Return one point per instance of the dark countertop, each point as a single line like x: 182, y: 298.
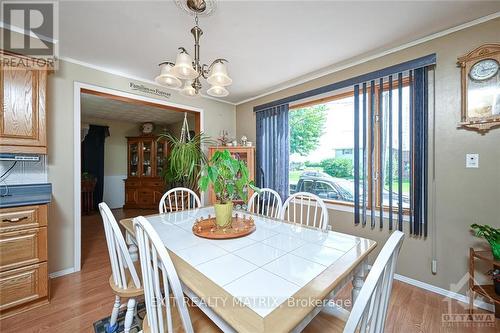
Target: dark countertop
x: 25, y: 194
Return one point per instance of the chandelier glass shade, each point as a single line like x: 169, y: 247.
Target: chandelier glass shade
x: 217, y: 91
x: 188, y: 72
x: 166, y: 77
x: 183, y: 68
x: 188, y: 90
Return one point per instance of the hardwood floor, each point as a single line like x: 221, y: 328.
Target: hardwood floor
x: 80, y: 299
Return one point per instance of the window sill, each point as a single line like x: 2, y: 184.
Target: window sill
x: 350, y: 209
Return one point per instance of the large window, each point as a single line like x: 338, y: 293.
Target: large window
x: 322, y: 149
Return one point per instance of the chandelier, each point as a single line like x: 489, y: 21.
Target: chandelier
x: 186, y: 73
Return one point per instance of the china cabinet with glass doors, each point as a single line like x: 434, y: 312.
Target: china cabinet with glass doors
x: 144, y: 185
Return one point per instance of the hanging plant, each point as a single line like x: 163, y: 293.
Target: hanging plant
x: 185, y: 159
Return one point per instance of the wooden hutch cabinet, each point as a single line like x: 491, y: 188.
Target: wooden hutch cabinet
x: 144, y: 186
x: 246, y: 154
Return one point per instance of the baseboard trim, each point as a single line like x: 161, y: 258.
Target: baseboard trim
x: 62, y: 272
x: 456, y: 296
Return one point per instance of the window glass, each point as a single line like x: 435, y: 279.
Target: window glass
x: 394, y: 154
x: 322, y: 149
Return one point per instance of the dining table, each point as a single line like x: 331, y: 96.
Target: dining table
x: 275, y: 279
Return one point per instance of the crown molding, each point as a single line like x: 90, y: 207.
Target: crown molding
x: 332, y: 69
x: 132, y: 77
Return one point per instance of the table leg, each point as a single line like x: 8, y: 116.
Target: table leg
x: 132, y: 247
x: 358, y: 280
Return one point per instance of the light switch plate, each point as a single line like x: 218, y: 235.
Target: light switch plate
x: 472, y: 160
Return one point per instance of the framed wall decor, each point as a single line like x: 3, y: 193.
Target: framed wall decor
x: 481, y: 88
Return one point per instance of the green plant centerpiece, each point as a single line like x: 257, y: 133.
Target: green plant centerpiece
x: 230, y: 180
x: 491, y: 234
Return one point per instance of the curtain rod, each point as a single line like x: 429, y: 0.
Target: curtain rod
x: 404, y: 66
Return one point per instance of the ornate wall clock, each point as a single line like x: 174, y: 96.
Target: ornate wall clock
x: 147, y: 128
x: 481, y: 88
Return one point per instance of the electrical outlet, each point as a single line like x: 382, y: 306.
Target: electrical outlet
x: 472, y: 160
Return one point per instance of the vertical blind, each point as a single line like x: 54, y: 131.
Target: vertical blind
x: 390, y: 150
x: 380, y: 120
x: 273, y: 147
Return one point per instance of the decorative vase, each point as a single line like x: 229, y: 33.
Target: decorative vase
x: 223, y: 214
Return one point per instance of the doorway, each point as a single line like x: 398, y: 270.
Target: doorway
x: 108, y: 125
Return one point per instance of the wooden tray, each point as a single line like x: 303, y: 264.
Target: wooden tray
x: 240, y: 226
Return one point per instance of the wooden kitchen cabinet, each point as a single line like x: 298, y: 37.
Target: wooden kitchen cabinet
x: 23, y: 112
x: 24, y: 281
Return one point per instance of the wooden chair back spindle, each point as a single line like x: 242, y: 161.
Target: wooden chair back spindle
x: 267, y: 202
x: 119, y: 255
x: 307, y: 209
x: 370, y: 309
x: 177, y: 199
x: 159, y: 276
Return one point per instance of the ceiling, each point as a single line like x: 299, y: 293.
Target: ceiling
x: 94, y: 106
x: 267, y: 43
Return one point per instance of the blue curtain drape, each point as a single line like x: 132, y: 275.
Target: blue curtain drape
x: 273, y: 149
x: 92, y: 158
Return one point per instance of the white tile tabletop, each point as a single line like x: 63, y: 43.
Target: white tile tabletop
x: 226, y: 269
x: 320, y: 254
x: 200, y: 253
x: 284, y: 242
x: 295, y: 269
x: 259, y: 253
x: 261, y: 297
x: 273, y: 262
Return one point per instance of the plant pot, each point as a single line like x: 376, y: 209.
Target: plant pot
x: 223, y: 214
x: 497, y: 286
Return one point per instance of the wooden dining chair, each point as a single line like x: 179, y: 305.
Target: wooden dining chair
x: 124, y: 279
x: 266, y: 202
x: 170, y: 313
x: 179, y: 198
x: 307, y: 209
x: 369, y: 311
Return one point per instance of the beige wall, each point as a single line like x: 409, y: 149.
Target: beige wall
x: 462, y: 196
x: 175, y: 129
x: 217, y: 116
x: 115, y: 146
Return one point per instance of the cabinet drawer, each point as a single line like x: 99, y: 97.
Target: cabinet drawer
x: 26, y: 217
x: 133, y: 183
x: 153, y: 183
x: 21, y: 248
x: 146, y: 199
x: 22, y: 285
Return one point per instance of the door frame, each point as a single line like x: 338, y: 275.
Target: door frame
x: 79, y: 88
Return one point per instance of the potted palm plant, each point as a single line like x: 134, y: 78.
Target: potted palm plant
x: 491, y: 234
x: 230, y: 180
